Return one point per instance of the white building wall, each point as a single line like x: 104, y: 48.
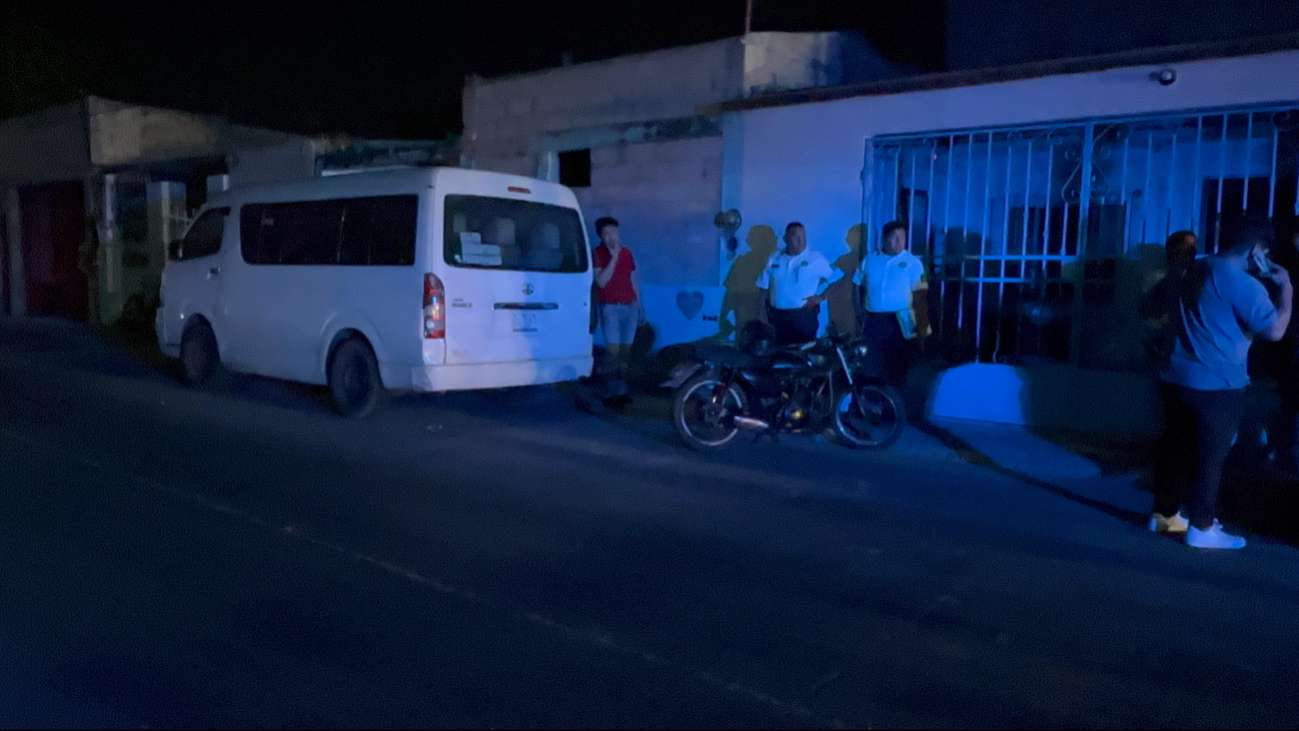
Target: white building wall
x: 805, y: 163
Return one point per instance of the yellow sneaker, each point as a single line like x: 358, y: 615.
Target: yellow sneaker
x: 1175, y: 523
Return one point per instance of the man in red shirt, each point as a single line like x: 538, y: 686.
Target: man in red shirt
x: 619, y: 294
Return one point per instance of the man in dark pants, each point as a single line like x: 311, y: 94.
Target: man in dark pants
x: 796, y: 281
x: 1220, y: 308
x: 888, y: 280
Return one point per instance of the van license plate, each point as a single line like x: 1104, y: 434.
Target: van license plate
x: 511, y: 324
x: 525, y: 322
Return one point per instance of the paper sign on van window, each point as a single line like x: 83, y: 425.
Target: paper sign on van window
x: 474, y: 251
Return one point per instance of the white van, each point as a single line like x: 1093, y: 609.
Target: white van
x: 422, y: 279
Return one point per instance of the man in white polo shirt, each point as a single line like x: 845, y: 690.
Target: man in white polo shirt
x: 796, y: 280
x: 888, y: 278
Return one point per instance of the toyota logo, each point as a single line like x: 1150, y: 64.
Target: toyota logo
x: 527, y: 289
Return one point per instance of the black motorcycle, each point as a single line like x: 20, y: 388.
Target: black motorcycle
x: 812, y: 388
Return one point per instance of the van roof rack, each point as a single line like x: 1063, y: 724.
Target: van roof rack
x: 327, y: 172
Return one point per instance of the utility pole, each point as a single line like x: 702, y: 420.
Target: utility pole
x: 748, y: 16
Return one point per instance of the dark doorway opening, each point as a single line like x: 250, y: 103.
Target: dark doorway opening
x: 575, y: 168
x: 53, y: 228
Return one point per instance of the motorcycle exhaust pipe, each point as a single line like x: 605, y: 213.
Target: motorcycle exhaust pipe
x: 745, y: 422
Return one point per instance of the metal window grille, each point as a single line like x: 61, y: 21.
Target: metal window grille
x: 1039, y: 240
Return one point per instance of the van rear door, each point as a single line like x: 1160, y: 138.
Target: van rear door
x: 517, y: 280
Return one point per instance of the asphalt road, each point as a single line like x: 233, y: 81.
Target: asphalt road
x: 243, y: 557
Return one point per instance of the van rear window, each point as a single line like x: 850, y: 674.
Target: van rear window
x: 374, y: 231
x: 498, y: 233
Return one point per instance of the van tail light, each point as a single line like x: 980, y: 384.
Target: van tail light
x: 435, y: 308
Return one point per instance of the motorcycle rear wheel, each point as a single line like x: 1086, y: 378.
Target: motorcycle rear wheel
x: 703, y: 409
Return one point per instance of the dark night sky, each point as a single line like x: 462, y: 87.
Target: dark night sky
x: 381, y: 69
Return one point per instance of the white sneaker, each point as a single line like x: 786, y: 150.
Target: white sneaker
x: 1175, y: 523
x: 1214, y: 537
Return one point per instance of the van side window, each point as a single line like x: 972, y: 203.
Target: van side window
x: 481, y: 232
x: 373, y: 231
x: 250, y: 232
x: 204, y: 237
x: 380, y: 231
x: 303, y: 233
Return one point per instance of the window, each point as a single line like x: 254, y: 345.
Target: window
x: 1039, y: 238
x: 204, y: 236
x: 379, y: 231
x: 302, y: 233
x: 376, y: 231
x: 496, y: 233
x: 575, y: 168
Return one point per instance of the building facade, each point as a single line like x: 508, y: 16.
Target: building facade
x: 1040, y: 198
x: 627, y: 136
x: 93, y: 193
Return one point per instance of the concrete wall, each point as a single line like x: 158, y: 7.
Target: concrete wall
x: 128, y: 134
x: 281, y: 163
x: 665, y: 194
x: 803, y: 60
x: 503, y: 116
x: 805, y: 162
x: 1048, y: 396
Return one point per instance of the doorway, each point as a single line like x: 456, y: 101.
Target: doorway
x: 53, y: 220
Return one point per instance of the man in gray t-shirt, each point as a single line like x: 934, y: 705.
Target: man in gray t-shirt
x: 1219, y: 307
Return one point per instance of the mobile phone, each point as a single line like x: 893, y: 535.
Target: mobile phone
x: 1262, y: 264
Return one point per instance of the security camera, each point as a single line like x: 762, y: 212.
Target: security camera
x: 1165, y: 77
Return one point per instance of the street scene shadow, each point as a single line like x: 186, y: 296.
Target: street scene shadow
x: 743, y: 300
x: 843, y: 311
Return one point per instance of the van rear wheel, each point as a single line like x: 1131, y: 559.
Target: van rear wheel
x: 354, y: 379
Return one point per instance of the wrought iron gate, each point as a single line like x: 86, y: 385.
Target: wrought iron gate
x: 1040, y: 239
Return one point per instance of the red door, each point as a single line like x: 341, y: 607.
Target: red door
x: 53, y: 224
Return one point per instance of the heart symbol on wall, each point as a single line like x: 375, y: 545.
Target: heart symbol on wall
x: 690, y: 303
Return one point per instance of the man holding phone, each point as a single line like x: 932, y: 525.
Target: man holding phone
x: 1220, y: 307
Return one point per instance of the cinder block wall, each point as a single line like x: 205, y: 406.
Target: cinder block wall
x: 665, y: 194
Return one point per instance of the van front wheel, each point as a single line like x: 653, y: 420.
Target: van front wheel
x: 199, y: 357
x: 354, y: 379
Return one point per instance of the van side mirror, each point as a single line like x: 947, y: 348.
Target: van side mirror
x: 173, y: 250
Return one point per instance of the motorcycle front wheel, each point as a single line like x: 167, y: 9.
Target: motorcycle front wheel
x: 870, y: 416
x: 704, y: 409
